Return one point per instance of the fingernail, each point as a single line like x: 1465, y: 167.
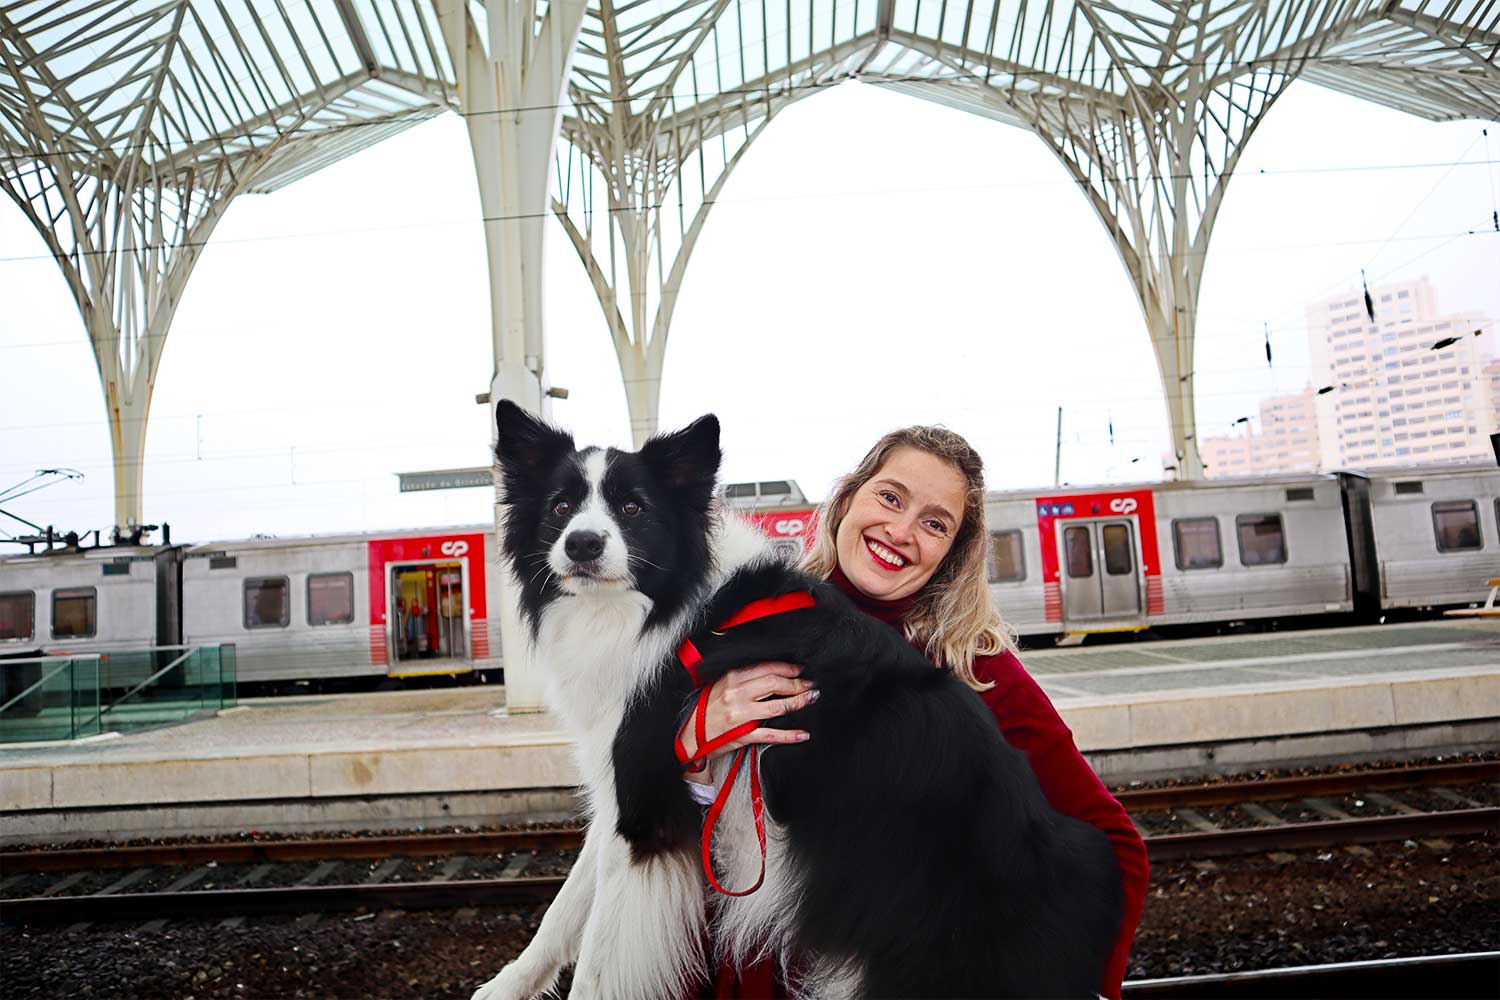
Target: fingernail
x: 816, y: 694
x: 802, y: 737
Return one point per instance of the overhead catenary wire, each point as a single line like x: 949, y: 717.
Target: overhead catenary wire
x: 801, y: 196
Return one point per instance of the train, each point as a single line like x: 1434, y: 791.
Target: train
x: 1061, y: 562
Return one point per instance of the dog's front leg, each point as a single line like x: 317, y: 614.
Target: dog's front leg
x: 556, y: 943
x: 644, y: 939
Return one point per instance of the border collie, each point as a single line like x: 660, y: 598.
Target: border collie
x: 910, y: 851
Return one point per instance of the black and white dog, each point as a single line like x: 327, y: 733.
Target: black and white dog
x: 911, y: 852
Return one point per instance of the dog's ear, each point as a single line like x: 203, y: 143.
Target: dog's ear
x: 524, y: 443
x: 687, y: 461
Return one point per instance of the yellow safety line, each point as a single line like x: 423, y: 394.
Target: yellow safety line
x: 434, y: 673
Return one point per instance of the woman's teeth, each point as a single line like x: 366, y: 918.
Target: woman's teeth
x: 885, y: 554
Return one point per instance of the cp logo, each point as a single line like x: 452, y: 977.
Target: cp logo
x: 788, y: 526
x: 1122, y: 505
x: 454, y: 549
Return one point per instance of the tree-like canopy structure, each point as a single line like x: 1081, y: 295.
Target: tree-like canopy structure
x: 127, y: 126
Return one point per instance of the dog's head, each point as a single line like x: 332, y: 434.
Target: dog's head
x: 587, y: 521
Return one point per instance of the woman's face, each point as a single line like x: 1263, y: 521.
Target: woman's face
x: 900, y: 524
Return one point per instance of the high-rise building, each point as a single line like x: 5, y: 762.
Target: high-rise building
x: 1286, y: 442
x: 1489, y: 375
x: 1395, y: 398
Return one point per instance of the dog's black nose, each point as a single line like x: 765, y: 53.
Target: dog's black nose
x: 584, y: 546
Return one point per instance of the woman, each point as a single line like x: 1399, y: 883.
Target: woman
x: 903, y: 536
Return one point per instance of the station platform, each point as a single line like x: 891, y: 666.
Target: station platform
x: 403, y: 759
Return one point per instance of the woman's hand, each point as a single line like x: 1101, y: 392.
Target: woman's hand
x: 764, y: 691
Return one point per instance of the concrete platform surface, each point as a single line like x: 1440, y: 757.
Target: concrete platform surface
x: 1117, y: 699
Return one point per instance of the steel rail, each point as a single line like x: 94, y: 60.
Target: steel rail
x: 1228, y: 792
x: 476, y: 892
x: 498, y: 842
x: 1473, y: 974
x: 1329, y: 833
x: 289, y: 899
x: 258, y: 851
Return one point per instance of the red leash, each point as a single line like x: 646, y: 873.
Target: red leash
x: 689, y: 656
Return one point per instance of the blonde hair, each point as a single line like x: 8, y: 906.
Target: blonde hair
x: 952, y: 619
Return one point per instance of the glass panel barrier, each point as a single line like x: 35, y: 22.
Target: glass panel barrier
x: 68, y: 697
x: 48, y: 698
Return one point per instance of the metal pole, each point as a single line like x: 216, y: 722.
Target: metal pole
x: 1057, y: 455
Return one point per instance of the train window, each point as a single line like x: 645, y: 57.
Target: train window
x: 1117, y: 560
x: 1196, y: 540
x: 116, y: 569
x: 75, y: 613
x: 1456, y: 525
x: 1411, y: 486
x: 223, y: 562
x: 330, y: 598
x: 1261, y: 539
x: 1080, y: 549
x: 17, y: 615
x: 1302, y: 492
x: 267, y: 602
x: 1006, y: 563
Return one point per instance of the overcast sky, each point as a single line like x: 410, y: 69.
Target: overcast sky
x: 875, y: 261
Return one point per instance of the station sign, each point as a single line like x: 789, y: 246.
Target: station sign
x: 446, y: 479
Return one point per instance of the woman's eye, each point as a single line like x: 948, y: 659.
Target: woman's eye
x: 890, y: 497
x: 561, y: 508
x: 630, y: 508
x: 938, y: 526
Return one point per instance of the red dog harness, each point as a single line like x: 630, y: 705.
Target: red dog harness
x: 689, y: 656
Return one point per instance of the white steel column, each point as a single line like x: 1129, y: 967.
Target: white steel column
x: 1154, y: 164
x: 127, y: 129
x: 511, y: 73
x: 642, y: 198
x: 640, y: 178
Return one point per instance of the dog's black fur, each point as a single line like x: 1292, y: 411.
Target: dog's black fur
x: 926, y: 851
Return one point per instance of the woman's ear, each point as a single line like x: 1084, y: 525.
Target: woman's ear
x: 687, y: 461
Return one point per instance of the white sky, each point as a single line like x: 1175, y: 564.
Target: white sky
x: 875, y: 261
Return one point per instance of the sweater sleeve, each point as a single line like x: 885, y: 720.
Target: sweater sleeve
x: 1030, y: 723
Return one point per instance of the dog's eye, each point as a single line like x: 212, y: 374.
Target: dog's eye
x: 561, y: 508
x: 630, y: 508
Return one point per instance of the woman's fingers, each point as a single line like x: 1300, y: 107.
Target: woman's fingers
x: 770, y: 668
x: 767, y: 735
x: 772, y: 684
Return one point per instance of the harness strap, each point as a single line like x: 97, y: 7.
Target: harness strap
x: 689, y: 656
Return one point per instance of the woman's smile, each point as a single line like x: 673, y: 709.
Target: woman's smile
x: 884, y: 557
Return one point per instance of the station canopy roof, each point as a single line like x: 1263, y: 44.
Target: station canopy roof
x: 179, y: 87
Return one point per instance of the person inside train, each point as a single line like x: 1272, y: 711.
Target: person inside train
x: 940, y: 601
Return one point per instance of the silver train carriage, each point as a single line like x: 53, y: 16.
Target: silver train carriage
x: 390, y: 603
x: 1073, y: 560
x: 1126, y: 558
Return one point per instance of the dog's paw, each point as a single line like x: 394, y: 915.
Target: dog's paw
x: 515, y: 982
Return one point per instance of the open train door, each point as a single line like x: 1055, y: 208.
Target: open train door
x: 427, y: 604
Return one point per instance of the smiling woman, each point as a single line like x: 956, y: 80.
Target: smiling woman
x: 903, y: 536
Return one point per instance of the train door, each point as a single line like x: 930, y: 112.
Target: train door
x: 1099, y: 570
x: 428, y: 623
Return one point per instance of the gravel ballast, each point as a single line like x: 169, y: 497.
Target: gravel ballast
x: 1261, y: 911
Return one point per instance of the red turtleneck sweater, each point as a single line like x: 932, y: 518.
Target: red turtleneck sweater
x: 1029, y: 723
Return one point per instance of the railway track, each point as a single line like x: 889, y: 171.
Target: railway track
x: 509, y: 867
x: 1448, y: 976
